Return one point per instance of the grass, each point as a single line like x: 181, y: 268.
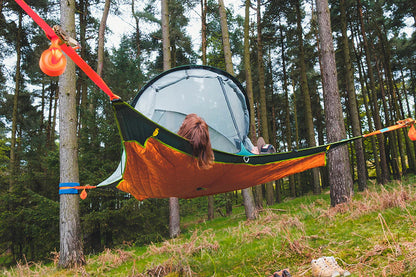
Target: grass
x: 372, y: 235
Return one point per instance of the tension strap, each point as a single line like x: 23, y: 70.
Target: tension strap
x: 69, y: 51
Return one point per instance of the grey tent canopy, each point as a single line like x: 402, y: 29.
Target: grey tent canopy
x: 213, y: 94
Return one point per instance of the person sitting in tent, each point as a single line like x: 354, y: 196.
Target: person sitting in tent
x: 195, y: 129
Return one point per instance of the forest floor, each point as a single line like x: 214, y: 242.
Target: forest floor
x: 372, y: 235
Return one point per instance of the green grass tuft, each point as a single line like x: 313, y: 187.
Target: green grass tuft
x: 372, y: 235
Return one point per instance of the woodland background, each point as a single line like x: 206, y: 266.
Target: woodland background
x: 379, y: 37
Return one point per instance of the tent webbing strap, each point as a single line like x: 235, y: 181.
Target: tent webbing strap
x: 68, y: 50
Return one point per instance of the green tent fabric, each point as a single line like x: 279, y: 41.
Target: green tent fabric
x: 156, y: 114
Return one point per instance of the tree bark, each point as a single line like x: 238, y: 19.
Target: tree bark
x: 364, y: 91
x: 247, y: 68
x: 204, y: 31
x: 262, y: 88
x: 393, y: 97
x: 248, y: 198
x: 167, y: 60
x: 137, y: 35
x: 263, y: 123
x: 230, y: 69
x: 376, y: 114
x: 340, y: 178
x: 409, y: 149
x: 306, y: 96
x: 388, y: 107
x: 225, y: 38
x: 292, y: 185
x: 318, y: 111
x: 295, y: 115
x: 249, y: 206
x: 101, y: 38
x: 71, y: 253
x: 211, y: 200
x: 174, y: 216
x: 13, y: 163
x: 83, y: 90
x: 352, y: 103
x: 211, y: 207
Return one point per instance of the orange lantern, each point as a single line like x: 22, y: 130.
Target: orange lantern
x: 53, y: 61
x: 412, y: 133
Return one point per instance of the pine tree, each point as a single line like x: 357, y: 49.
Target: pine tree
x: 352, y: 102
x: 71, y: 252
x: 339, y: 168
x: 248, y: 198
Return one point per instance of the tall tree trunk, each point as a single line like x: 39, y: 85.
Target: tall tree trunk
x: 261, y: 73
x: 319, y: 113
x: 249, y: 206
x: 230, y: 69
x: 352, y: 103
x: 262, y: 112
x: 373, y: 139
x: 101, y: 38
x: 42, y: 109
x: 211, y: 201
x: 83, y: 8
x: 272, y: 126
x: 13, y: 163
x: 364, y: 91
x: 306, y: 96
x: 137, y: 35
x: 376, y: 114
x: 409, y: 148
x: 52, y: 114
x: 167, y: 60
x: 174, y: 216
x: 225, y: 38
x: 49, y: 124
x: 394, y: 100
x: 94, y: 144
x: 339, y: 168
x: 388, y: 114
x: 247, y: 194
x: 292, y: 185
x: 204, y: 7
x: 295, y: 115
x: 211, y: 207
x: 71, y: 253
x: 247, y: 68
x: 55, y: 112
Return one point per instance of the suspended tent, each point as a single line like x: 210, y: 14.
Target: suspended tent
x: 157, y: 163
x: 209, y: 92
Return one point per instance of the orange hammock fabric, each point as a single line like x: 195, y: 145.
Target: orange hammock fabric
x: 159, y: 171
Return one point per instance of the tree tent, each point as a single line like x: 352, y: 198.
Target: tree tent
x: 157, y: 163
